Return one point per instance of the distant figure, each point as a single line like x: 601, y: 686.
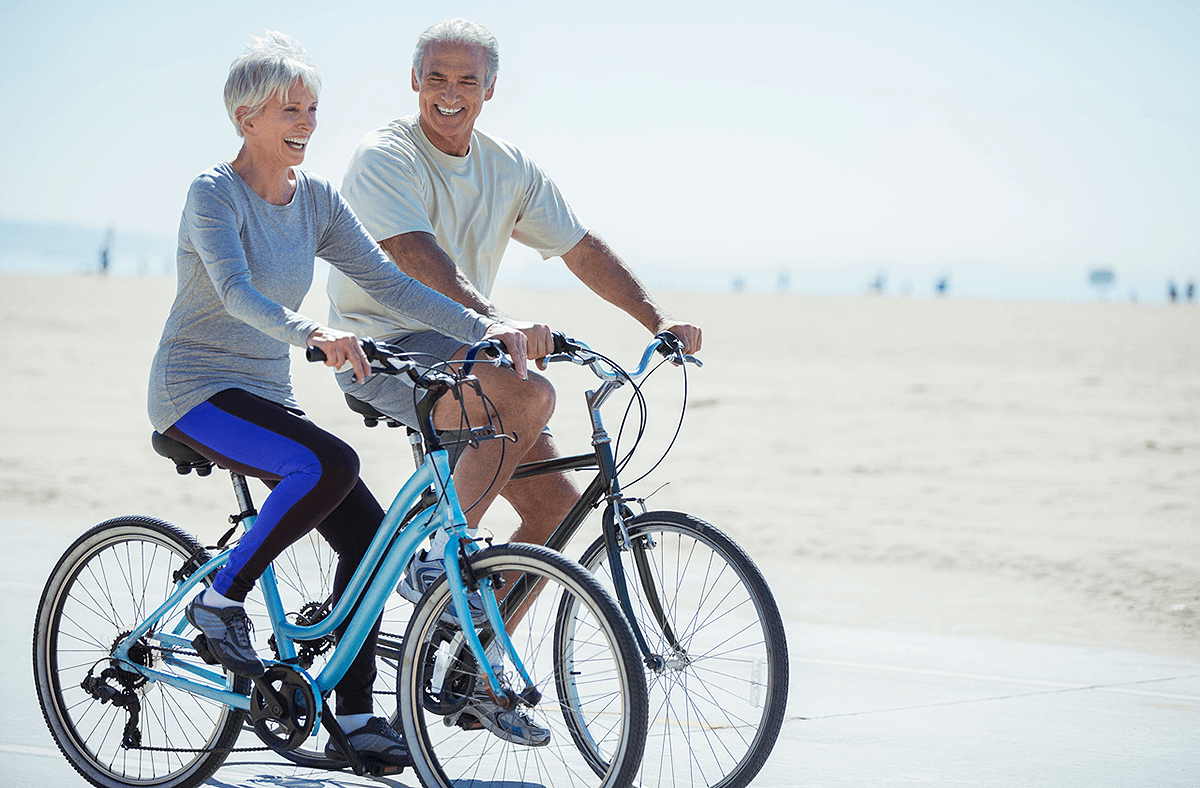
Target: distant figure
x: 739, y: 284
x: 1172, y: 294
x: 783, y: 280
x: 941, y: 286
x: 105, y: 251
x: 1191, y: 291
x: 878, y: 285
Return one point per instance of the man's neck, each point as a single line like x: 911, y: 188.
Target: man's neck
x: 455, y: 146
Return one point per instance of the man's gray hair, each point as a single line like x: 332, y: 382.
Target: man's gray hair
x: 460, y: 31
x: 267, y: 69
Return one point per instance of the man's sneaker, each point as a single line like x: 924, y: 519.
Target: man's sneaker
x: 514, y: 726
x: 227, y: 630
x: 423, y: 572
x: 375, y: 741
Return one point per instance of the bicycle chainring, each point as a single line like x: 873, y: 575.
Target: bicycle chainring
x: 284, y: 710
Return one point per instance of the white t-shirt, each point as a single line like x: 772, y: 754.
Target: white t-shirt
x: 398, y: 182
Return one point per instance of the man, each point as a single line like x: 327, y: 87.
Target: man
x: 443, y: 198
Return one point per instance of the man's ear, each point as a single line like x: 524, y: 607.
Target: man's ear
x: 487, y: 96
x: 416, y: 84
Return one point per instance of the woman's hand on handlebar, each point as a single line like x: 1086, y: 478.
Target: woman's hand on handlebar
x: 515, y: 342
x: 340, y: 347
x: 539, y: 340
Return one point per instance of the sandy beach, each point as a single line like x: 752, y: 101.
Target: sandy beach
x: 1016, y: 471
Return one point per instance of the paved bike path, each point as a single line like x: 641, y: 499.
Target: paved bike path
x: 867, y: 707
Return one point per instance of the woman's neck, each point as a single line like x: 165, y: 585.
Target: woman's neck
x: 274, y: 182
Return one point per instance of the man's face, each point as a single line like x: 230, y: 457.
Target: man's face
x: 451, y: 93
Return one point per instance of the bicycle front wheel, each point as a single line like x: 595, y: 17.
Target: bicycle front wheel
x: 106, y: 583
x: 719, y: 685
x: 589, y: 726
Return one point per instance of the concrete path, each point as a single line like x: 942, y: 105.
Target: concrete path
x: 867, y: 708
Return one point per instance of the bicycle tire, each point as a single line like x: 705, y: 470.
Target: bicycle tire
x: 717, y: 708
x: 106, y: 582
x: 608, y: 703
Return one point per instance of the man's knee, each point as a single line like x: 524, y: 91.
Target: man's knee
x: 534, y: 398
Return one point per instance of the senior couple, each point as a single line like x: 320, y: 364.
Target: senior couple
x: 414, y: 241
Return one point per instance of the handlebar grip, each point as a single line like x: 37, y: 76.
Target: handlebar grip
x: 313, y: 353
x: 669, y: 344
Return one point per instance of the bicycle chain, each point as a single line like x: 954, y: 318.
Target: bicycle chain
x: 189, y: 653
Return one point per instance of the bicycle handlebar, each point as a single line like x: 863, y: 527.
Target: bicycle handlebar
x: 665, y: 344
x: 392, y: 360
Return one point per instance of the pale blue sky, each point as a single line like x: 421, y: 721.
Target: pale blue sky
x: 1030, y: 136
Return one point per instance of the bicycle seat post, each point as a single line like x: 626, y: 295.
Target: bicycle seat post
x: 418, y: 446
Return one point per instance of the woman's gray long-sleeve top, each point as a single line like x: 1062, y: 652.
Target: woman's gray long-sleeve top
x: 244, y: 267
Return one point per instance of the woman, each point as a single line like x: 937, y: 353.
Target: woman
x: 220, y: 380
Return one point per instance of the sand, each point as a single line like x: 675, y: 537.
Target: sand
x: 1017, y: 471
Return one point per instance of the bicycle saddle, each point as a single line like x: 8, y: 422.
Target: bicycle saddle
x: 186, y: 459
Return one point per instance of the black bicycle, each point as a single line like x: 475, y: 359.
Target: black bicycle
x: 705, y: 620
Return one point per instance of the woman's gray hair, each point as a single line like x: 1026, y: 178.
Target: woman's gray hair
x: 265, y: 70
x: 460, y: 31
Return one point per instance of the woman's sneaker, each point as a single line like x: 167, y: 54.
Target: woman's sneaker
x: 423, y: 572
x: 514, y: 726
x: 227, y: 631
x: 375, y: 741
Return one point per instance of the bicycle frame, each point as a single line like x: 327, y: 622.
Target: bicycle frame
x: 605, y: 486
x: 373, y: 582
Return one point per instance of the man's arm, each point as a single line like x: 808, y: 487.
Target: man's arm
x: 418, y: 255
x: 607, y: 275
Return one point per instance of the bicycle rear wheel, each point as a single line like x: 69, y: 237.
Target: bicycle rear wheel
x: 595, y: 691
x: 717, y: 699
x: 105, y: 584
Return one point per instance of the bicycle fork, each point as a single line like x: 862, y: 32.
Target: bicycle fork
x: 617, y: 539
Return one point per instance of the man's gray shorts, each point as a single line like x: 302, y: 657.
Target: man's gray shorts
x: 395, y: 395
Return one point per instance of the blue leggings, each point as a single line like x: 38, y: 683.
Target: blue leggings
x: 313, y: 476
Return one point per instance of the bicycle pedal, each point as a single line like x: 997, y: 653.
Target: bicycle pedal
x: 467, y: 722
x: 378, y: 769
x: 200, y: 643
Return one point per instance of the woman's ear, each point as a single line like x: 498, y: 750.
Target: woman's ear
x: 245, y: 122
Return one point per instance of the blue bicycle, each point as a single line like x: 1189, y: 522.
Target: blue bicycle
x: 131, y: 700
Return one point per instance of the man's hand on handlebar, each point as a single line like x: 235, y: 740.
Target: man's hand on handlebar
x: 340, y: 347
x: 688, y: 334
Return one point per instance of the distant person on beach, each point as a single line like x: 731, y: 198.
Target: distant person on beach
x: 220, y: 382
x: 443, y: 199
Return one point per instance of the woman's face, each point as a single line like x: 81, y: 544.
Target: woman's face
x: 282, y: 130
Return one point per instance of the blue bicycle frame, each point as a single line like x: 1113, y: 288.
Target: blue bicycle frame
x: 385, y: 560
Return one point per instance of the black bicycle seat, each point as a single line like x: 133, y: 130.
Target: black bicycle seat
x: 186, y: 458
x: 371, y: 415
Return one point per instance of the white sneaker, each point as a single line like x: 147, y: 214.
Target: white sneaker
x: 514, y: 726
x: 423, y: 572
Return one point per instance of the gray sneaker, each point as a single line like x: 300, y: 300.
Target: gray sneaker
x: 514, y: 726
x: 376, y: 741
x: 423, y: 572
x: 227, y: 630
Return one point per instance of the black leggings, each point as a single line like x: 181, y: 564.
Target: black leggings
x: 313, y: 476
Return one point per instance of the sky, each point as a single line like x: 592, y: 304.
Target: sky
x: 1009, y: 140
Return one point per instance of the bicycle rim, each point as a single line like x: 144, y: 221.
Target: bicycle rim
x: 717, y: 701
x: 595, y: 691
x: 106, y: 582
